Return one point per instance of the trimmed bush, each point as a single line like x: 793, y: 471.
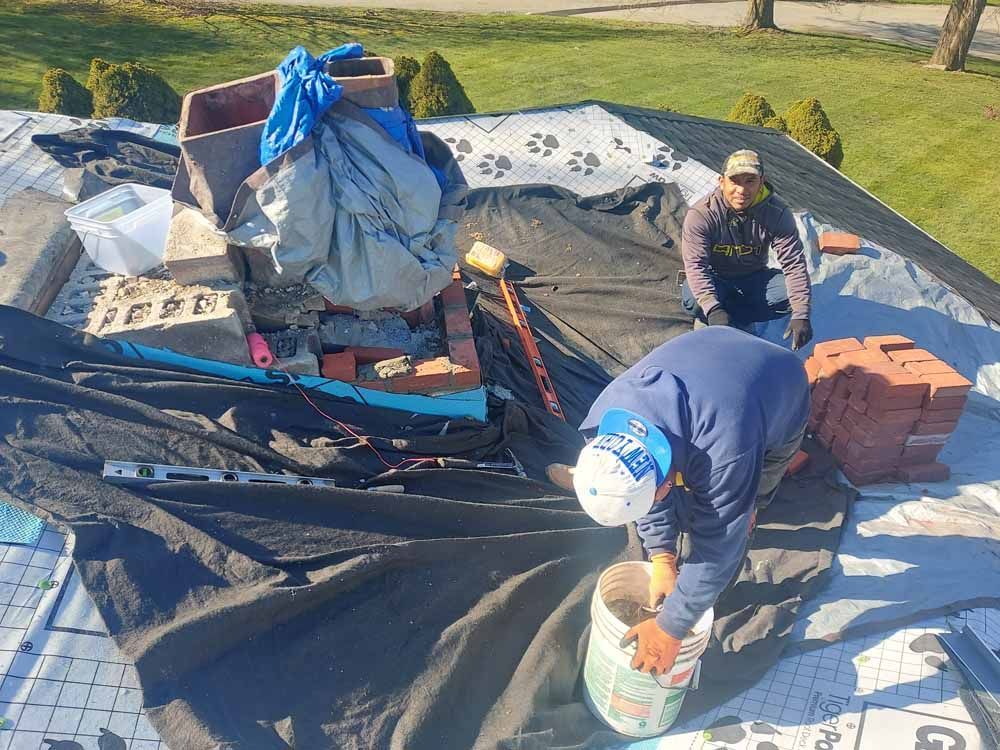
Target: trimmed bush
x: 809, y: 125
x: 63, y: 94
x: 751, y: 109
x: 407, y: 69
x: 435, y: 90
x: 777, y: 123
x: 97, y: 68
x: 132, y: 90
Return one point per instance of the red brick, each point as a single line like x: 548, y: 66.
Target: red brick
x: 887, y: 466
x: 825, y: 435
x: 366, y: 355
x: 453, y: 295
x: 849, y: 362
x: 839, y: 243
x: 890, y: 343
x: 835, y: 347
x: 879, y: 439
x: 919, y: 454
x: 912, y: 355
x: 901, y: 418
x: 341, y: 366
x: 859, y: 478
x: 935, y: 472
x: 799, y: 462
x: 942, y: 415
x: 338, y: 309
x: 861, y: 376
x: 373, y: 385
x: 856, y: 454
x: 947, y: 385
x: 421, y: 316
x: 824, y: 388
x: 813, y: 370
x: 813, y: 425
x: 871, y: 432
x: 463, y: 377
x: 929, y: 367
x: 945, y: 404
x: 885, y: 385
x: 835, y: 409
x: 841, y: 389
x: 456, y: 323
x: 880, y: 406
x: 463, y: 352
x: 456, y: 273
x: 841, y: 439
x: 858, y: 402
x: 934, y: 428
x: 428, y: 375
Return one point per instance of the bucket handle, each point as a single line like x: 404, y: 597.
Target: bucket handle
x: 693, y: 685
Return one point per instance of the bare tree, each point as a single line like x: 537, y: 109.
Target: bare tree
x: 956, y: 34
x: 760, y: 15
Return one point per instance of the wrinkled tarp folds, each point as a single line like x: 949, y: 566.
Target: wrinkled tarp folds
x: 452, y: 616
x: 97, y: 159
x: 331, y: 212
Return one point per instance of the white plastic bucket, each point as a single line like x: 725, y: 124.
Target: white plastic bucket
x: 629, y: 701
x: 124, y: 229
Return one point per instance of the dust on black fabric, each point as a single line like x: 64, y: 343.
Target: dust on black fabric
x: 598, y: 274
x: 97, y: 159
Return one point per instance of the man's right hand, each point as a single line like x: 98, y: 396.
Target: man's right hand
x: 664, y: 578
x: 718, y: 317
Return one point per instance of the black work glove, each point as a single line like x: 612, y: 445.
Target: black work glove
x: 718, y: 317
x: 801, y: 332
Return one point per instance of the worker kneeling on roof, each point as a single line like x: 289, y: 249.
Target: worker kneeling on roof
x: 726, y: 245
x: 692, y: 440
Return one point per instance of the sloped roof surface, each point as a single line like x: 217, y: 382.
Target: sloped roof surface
x: 807, y: 183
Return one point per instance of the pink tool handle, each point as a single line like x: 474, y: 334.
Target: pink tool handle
x: 259, y: 351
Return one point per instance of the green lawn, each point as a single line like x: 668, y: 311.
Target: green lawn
x: 916, y: 138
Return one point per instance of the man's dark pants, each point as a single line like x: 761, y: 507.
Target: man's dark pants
x: 755, y: 298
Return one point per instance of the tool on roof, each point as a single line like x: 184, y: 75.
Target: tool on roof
x: 128, y: 472
x: 542, y: 379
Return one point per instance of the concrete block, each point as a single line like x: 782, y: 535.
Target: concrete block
x: 196, y: 253
x: 199, y: 321
x: 38, y: 250
x: 298, y: 350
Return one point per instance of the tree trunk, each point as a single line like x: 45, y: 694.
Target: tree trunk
x: 956, y: 34
x: 760, y: 15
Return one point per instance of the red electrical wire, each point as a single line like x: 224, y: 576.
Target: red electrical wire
x: 363, y: 439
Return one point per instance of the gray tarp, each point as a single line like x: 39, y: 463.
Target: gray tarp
x: 331, y: 212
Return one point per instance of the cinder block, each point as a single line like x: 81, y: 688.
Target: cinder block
x: 195, y: 320
x: 935, y: 472
x: 196, y: 253
x: 947, y: 385
x: 839, y: 243
x: 920, y: 454
x: 341, y: 367
x: 890, y: 343
x: 297, y: 351
x: 911, y: 355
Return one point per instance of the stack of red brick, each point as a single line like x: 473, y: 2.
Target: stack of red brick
x: 885, y: 408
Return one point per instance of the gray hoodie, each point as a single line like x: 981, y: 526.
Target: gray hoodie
x: 721, y: 242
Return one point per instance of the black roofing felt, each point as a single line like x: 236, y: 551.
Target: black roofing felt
x: 807, y: 183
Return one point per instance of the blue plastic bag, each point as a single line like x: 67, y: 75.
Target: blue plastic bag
x: 306, y: 93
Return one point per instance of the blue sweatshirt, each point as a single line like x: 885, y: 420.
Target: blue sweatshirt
x: 723, y: 398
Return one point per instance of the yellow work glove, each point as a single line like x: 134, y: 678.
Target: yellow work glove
x: 664, y: 577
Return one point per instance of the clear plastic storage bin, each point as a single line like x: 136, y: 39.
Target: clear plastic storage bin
x: 124, y: 229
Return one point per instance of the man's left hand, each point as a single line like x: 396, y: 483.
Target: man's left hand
x: 801, y: 332
x: 657, y: 649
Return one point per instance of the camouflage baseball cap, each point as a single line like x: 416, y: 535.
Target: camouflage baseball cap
x: 743, y: 162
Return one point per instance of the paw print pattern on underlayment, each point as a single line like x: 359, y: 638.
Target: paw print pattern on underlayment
x: 461, y: 148
x: 665, y: 156
x: 540, y: 141
x: 494, y: 165
x: 590, y: 161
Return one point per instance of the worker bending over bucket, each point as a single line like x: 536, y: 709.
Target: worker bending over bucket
x: 692, y: 440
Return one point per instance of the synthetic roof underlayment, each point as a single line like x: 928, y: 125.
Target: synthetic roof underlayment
x: 907, y: 553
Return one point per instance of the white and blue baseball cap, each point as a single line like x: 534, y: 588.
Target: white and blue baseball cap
x: 617, y: 473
